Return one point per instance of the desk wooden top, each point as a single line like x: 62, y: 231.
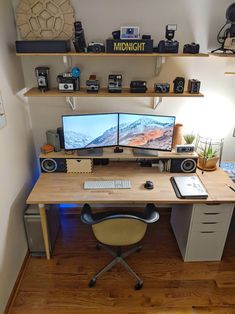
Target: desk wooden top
x: 56, y: 188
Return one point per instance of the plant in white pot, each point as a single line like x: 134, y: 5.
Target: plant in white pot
x: 189, y: 138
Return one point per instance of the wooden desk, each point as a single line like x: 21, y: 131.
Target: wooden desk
x: 56, y: 188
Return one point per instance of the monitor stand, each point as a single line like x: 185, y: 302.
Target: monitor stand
x: 139, y: 152
x: 91, y: 152
x: 118, y: 150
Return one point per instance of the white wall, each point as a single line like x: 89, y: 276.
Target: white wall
x: 197, y: 21
x: 16, y: 158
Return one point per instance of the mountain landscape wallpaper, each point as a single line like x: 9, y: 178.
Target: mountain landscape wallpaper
x: 151, y: 132
x: 87, y: 131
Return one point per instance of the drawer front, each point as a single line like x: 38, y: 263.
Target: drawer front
x: 211, y: 226
x: 212, y: 213
x: 205, y: 246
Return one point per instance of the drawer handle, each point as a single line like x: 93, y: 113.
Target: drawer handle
x: 211, y: 213
x: 209, y: 223
x: 214, y: 204
x: 207, y: 231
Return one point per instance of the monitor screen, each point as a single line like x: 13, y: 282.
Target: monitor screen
x: 90, y: 131
x: 146, y: 131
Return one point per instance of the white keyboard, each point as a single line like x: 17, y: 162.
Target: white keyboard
x: 107, y: 184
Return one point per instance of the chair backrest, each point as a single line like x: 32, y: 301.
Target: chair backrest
x: 119, y: 228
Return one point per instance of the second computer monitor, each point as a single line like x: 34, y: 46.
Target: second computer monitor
x: 151, y: 132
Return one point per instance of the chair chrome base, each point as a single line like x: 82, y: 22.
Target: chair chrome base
x: 118, y: 258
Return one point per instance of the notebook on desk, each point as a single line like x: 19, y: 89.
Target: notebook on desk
x: 188, y: 187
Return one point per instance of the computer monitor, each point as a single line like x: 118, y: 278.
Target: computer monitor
x: 150, y: 132
x: 88, y: 131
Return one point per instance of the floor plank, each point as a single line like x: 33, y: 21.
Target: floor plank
x: 170, y: 286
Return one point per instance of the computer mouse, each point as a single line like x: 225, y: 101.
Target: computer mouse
x: 149, y: 185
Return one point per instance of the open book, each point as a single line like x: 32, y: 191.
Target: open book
x: 188, y: 187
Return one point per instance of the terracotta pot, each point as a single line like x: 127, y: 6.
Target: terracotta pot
x: 178, y: 135
x: 208, y: 165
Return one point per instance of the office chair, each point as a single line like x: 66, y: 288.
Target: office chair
x: 119, y: 228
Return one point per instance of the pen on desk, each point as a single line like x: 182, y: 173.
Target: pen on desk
x: 231, y: 187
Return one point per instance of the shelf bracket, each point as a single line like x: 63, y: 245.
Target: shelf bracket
x: 158, y: 65
x: 67, y: 60
x: 156, y: 102
x: 72, y: 101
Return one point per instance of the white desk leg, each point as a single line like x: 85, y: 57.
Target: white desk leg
x: 43, y: 218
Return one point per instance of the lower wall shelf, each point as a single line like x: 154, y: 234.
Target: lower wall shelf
x: 103, y: 92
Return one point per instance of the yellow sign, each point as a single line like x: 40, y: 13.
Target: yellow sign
x: 129, y: 46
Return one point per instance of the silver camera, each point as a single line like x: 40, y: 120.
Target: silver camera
x: 68, y: 83
x: 92, y: 85
x: 115, y: 83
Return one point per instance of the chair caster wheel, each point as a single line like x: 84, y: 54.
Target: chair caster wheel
x: 98, y: 246
x: 139, y: 285
x: 92, y: 283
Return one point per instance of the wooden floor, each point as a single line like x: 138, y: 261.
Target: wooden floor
x: 170, y: 286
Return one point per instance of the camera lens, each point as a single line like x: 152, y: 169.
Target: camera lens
x: 66, y: 86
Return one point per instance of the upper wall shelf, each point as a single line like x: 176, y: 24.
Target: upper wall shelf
x: 75, y: 54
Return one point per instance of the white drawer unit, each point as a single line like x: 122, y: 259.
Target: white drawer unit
x: 201, y: 230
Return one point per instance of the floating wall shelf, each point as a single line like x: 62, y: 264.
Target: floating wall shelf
x: 103, y: 92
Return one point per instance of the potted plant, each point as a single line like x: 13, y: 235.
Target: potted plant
x: 189, y: 138
x: 208, y: 158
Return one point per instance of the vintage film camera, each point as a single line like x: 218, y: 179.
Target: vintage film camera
x: 115, y: 83
x: 194, y: 86
x: 95, y: 47
x: 69, y: 81
x: 179, y: 85
x: 92, y: 84
x: 42, y: 74
x: 79, y: 37
x: 169, y: 45
x: 191, y: 48
x: 162, y: 88
x: 130, y: 32
x: 138, y: 87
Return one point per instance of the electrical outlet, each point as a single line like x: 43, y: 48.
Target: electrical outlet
x: 3, y: 120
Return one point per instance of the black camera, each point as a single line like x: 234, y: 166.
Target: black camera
x: 179, y: 85
x: 169, y: 45
x: 138, y: 87
x: 79, y: 37
x: 161, y: 88
x: 42, y: 74
x: 115, y: 83
x: 68, y: 83
x: 116, y: 34
x: 194, y: 86
x: 191, y: 48
x: 92, y: 84
x: 96, y: 47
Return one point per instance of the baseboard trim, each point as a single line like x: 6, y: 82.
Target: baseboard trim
x: 17, y: 283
